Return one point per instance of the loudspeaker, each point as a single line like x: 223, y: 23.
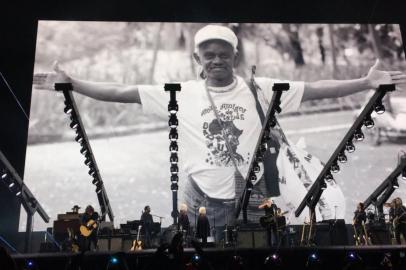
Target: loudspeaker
x: 127, y: 244
x: 379, y: 235
x: 260, y: 239
x: 116, y: 244
x: 245, y: 239
x: 103, y: 244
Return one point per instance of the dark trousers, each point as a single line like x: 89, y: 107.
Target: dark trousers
x: 400, y: 229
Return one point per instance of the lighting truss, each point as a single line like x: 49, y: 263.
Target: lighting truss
x: 81, y: 137
x: 261, y: 147
x: 346, y: 145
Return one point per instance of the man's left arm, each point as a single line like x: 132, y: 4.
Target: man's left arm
x: 340, y: 88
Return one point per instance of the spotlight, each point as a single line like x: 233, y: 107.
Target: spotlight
x: 4, y: 174
x: 174, y: 169
x: 68, y: 109
x: 272, y: 122
x: 174, y: 186
x: 253, y: 177
x: 379, y: 108
x: 12, y: 184
x: 267, y: 134
x: 173, y: 147
x: 174, y: 158
x: 95, y: 181
x: 250, y: 186
x: 323, y: 185
x: 395, y: 183
x: 173, y: 107
x: 273, y: 260
x: 328, y: 177
x: 263, y: 148
x: 79, y: 138
x: 92, y: 172
x: 88, y: 161
x: 74, y: 124
x: 404, y: 174
x: 368, y: 122
x: 30, y: 264
x: 350, y: 147
x: 278, y: 109
x: 196, y: 259
x: 313, y: 260
x: 98, y: 188
x: 174, y: 178
x: 173, y: 134
x: 256, y: 167
x: 342, y: 157
x: 358, y: 135
x: 259, y: 156
x: 84, y: 150
x: 335, y: 168
x: 173, y: 121
x: 18, y: 193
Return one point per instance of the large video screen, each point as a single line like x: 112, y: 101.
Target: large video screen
x: 130, y: 140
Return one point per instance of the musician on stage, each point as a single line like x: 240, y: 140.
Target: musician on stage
x: 358, y: 221
x: 203, y: 226
x: 183, y: 219
x: 90, y: 219
x: 146, y: 223
x: 271, y: 214
x: 399, y: 220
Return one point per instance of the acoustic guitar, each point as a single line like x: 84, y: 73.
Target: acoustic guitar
x: 137, y: 244
x: 86, y: 230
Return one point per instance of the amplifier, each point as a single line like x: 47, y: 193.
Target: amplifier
x: 111, y: 244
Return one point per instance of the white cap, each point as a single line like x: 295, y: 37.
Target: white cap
x: 211, y: 32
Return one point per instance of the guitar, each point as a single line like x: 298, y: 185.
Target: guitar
x: 396, y: 220
x: 268, y: 220
x: 137, y: 244
x: 86, y: 230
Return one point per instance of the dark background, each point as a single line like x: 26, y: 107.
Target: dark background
x: 18, y: 25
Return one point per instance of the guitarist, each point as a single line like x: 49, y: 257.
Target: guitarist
x: 89, y: 219
x: 399, y: 220
x: 271, y: 214
x: 147, y: 222
x: 358, y: 221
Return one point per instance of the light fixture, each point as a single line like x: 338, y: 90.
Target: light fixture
x: 173, y: 134
x: 88, y: 161
x: 342, y: 157
x: 68, y: 109
x: 379, y: 107
x: 272, y: 122
x: 174, y: 169
x: 84, y: 150
x: 174, y: 186
x: 404, y: 174
x: 174, y: 158
x: 173, y: 121
x: 174, y: 178
x: 173, y: 107
x: 334, y: 167
x: 173, y: 147
x: 368, y: 122
x: 92, y: 172
x: 256, y: 168
x: 349, y: 146
x: 74, y: 124
x: 79, y: 138
x: 328, y: 177
x: 95, y: 181
x: 4, y: 174
x: 359, y: 135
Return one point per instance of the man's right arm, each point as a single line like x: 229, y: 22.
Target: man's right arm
x: 111, y: 92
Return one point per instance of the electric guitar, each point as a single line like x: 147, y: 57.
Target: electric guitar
x: 268, y: 220
x: 86, y: 230
x: 137, y: 244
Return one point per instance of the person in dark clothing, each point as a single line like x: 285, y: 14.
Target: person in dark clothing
x: 90, y: 220
x: 271, y: 221
x: 203, y: 226
x: 399, y: 220
x: 183, y: 220
x: 147, y: 222
x: 358, y: 221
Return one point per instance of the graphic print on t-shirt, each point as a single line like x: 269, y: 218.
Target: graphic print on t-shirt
x: 218, y: 154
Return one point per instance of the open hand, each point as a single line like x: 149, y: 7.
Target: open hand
x: 46, y: 81
x: 376, y: 77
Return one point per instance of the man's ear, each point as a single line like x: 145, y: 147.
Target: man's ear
x: 197, y: 58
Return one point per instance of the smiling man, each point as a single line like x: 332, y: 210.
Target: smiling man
x: 219, y: 124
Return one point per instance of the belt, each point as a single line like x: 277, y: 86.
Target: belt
x: 208, y: 198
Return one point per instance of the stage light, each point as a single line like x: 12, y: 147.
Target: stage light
x: 173, y: 107
x: 84, y: 150
x: 88, y: 161
x: 79, y: 138
x: 98, y: 188
x: 12, y: 184
x: 323, y: 185
x: 174, y: 169
x: 173, y: 134
x: 379, y: 108
x: 18, y: 193
x: 253, y: 177
x: 30, y: 264
x: 250, y: 186
x: 174, y: 178
x: 272, y: 122
x: 74, y: 124
x: 404, y: 174
x: 328, y: 177
x: 174, y: 186
x: 395, y: 183
x: 173, y: 121
x: 368, y: 122
x: 114, y: 260
x: 95, y: 181
x: 68, y: 109
x: 173, y: 147
x: 174, y: 158
x: 273, y: 261
x: 342, y: 157
x: 262, y: 148
x: 196, y: 259
x: 92, y: 172
x: 359, y: 135
x: 349, y: 146
x: 335, y: 168
x: 4, y: 175
x: 256, y: 168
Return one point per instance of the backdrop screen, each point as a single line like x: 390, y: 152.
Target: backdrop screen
x: 130, y: 143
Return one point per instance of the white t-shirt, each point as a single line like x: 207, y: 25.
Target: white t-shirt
x: 202, y: 148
